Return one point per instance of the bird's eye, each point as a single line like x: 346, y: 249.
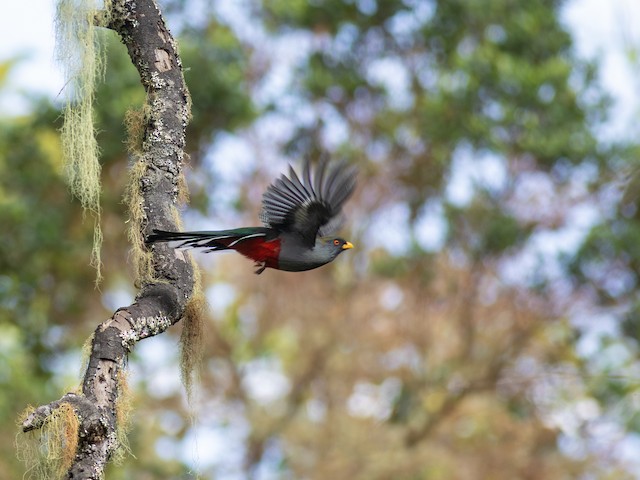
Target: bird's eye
x: 336, y: 242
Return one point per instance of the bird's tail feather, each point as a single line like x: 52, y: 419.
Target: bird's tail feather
x: 212, y: 241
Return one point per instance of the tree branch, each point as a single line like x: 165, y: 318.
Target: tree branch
x: 161, y: 303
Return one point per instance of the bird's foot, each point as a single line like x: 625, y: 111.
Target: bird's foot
x: 260, y: 267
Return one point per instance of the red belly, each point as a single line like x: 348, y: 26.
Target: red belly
x: 260, y: 251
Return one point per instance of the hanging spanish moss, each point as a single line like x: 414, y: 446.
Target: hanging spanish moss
x: 48, y: 453
x: 82, y: 56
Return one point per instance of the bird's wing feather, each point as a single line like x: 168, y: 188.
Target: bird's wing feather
x: 310, y: 205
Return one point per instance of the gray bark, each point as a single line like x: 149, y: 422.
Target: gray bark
x: 158, y: 305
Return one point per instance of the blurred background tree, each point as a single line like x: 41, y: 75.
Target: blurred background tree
x: 487, y: 325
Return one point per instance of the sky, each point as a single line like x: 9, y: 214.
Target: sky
x: 607, y: 28
x: 28, y: 33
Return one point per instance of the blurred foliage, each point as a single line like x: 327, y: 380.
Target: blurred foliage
x: 497, y: 352
x: 44, y: 271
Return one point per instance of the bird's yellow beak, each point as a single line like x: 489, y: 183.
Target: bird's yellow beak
x: 347, y: 245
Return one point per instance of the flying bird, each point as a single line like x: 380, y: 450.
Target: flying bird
x: 300, y: 216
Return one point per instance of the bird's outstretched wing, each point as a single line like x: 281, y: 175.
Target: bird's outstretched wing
x: 310, y: 206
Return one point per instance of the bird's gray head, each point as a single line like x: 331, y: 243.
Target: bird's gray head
x: 332, y: 247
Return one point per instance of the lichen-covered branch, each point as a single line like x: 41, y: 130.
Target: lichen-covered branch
x: 165, y: 292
